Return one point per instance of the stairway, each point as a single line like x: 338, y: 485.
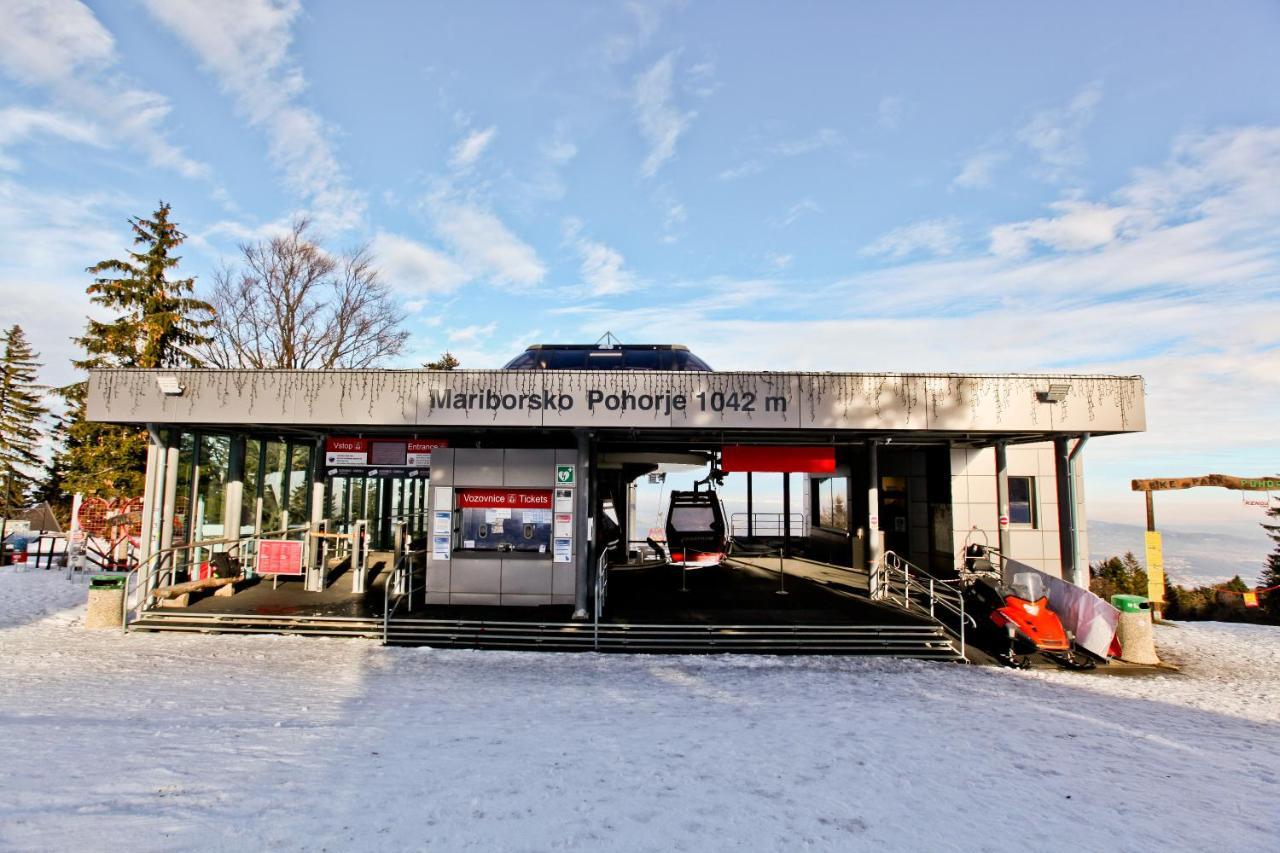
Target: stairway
x: 249, y: 623
x: 926, y: 642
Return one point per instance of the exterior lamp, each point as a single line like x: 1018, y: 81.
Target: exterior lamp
x: 1057, y: 392
x: 169, y: 385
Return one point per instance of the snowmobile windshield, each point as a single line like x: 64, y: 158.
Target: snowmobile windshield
x: 1028, y: 586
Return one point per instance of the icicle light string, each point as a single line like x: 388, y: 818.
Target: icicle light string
x: 845, y: 393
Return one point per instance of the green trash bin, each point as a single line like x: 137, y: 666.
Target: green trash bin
x: 106, y: 602
x: 1131, y: 603
x: 106, y: 582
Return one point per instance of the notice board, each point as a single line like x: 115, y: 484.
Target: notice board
x: 279, y: 557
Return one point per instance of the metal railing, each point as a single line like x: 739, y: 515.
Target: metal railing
x: 160, y: 567
x: 601, y: 593
x: 897, y: 581
x: 399, y: 586
x: 766, y: 523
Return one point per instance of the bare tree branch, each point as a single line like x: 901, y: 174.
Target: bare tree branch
x: 293, y: 305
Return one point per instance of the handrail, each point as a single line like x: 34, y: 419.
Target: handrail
x: 765, y: 523
x: 156, y: 556
x: 893, y: 573
x: 602, y: 590
x: 403, y: 564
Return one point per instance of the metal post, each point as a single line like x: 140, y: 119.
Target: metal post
x: 1002, y: 498
x: 750, y: 508
x: 233, y: 490
x: 786, y: 515
x: 1081, y: 571
x: 1066, y: 511
x: 154, y: 487
x: 874, y: 549
x: 169, y: 505
x: 583, y: 475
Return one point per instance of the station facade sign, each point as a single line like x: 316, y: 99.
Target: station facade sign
x: 346, y: 456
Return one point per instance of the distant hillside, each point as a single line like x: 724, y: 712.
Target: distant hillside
x: 1190, y: 557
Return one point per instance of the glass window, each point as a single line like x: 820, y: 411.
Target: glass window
x: 833, y: 509
x: 1022, y: 500
x: 215, y: 453
x: 299, y: 484
x: 252, y: 485
x: 506, y: 520
x: 273, y: 487
x: 693, y: 519
x: 186, y: 471
x: 522, y: 361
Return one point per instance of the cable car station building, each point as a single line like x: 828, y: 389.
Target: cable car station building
x: 492, y: 507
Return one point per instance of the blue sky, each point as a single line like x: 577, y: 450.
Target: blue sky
x: 932, y: 186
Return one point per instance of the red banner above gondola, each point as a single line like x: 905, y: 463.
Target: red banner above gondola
x: 780, y: 459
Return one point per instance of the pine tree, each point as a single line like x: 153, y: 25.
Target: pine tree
x: 1271, y: 574
x: 158, y: 323
x: 21, y: 411
x: 446, y: 361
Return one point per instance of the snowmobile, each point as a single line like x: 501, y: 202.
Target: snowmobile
x: 1019, y: 623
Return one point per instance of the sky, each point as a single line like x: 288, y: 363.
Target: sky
x: 941, y: 187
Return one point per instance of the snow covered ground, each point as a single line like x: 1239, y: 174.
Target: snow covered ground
x: 170, y: 742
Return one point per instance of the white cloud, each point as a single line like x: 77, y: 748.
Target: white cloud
x: 889, y: 112
x: 484, y: 245
x: 603, y: 269
x: 62, y: 48
x: 472, y: 334
x: 820, y: 140
x: 245, y: 44
x: 1079, y: 226
x: 817, y: 141
x: 661, y: 123
x: 800, y: 208
x: 742, y: 170
x: 469, y: 149
x: 414, y: 268
x: 1054, y: 134
x: 561, y: 149
x: 933, y: 237
x: 976, y: 172
x: 778, y: 261
x: 18, y: 124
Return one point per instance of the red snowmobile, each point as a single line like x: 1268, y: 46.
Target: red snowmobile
x: 1019, y: 623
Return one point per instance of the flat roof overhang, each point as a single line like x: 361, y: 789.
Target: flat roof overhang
x: 651, y: 408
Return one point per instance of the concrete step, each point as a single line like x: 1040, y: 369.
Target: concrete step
x: 907, y: 641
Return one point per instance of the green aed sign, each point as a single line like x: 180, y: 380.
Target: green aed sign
x: 564, y: 475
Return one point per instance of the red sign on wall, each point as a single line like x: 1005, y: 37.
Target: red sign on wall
x: 807, y: 460
x: 279, y: 557
x: 390, y: 452
x: 504, y: 499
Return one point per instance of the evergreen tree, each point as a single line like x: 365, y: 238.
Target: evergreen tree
x: 446, y: 361
x: 158, y: 323
x: 21, y: 410
x: 1271, y: 574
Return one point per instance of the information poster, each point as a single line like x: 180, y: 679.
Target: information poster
x: 440, y: 547
x: 441, y: 522
x: 564, y: 500
x: 279, y: 557
x: 563, y: 550
x: 564, y: 525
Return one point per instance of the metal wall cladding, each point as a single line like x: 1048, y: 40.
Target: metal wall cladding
x: 729, y: 400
